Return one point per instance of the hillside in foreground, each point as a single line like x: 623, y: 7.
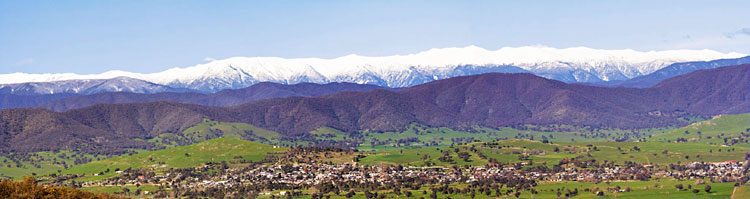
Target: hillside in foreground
x: 583, y: 169
x: 214, y: 150
x: 28, y: 188
x: 720, y: 130
x: 647, y: 169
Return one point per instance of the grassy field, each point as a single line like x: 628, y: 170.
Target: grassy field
x: 430, y: 136
x: 539, y: 153
x: 51, y: 162
x: 208, y: 129
x: 229, y: 130
x: 419, y: 157
x: 741, y: 192
x: 712, y: 131
x: 47, y: 161
x: 215, y: 150
x: 595, y: 144
x: 121, y: 189
x: 637, y: 190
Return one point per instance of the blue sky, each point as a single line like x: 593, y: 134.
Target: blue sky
x: 149, y: 36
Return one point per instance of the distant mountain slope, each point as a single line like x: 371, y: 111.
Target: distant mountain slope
x: 23, y: 101
x: 724, y: 90
x: 488, y: 100
x: 87, y: 86
x: 577, y: 64
x: 679, y: 69
x: 223, y: 98
x: 494, y: 100
x: 101, y: 129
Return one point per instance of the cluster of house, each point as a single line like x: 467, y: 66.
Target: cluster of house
x: 728, y: 171
x: 311, y: 174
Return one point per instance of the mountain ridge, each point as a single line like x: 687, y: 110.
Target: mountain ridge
x: 229, y: 97
x: 672, y: 70
x: 88, y: 86
x: 488, y: 100
x: 578, y: 64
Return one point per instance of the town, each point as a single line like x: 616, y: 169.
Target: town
x: 280, y: 177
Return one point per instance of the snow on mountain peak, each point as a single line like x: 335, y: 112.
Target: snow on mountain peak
x: 576, y: 64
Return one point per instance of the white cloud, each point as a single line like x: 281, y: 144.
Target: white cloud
x: 209, y: 59
x: 26, y: 61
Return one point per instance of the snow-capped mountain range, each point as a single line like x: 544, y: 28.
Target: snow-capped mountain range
x: 87, y: 86
x: 579, y: 64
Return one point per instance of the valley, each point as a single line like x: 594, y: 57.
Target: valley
x: 548, y: 154
x: 482, y: 136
